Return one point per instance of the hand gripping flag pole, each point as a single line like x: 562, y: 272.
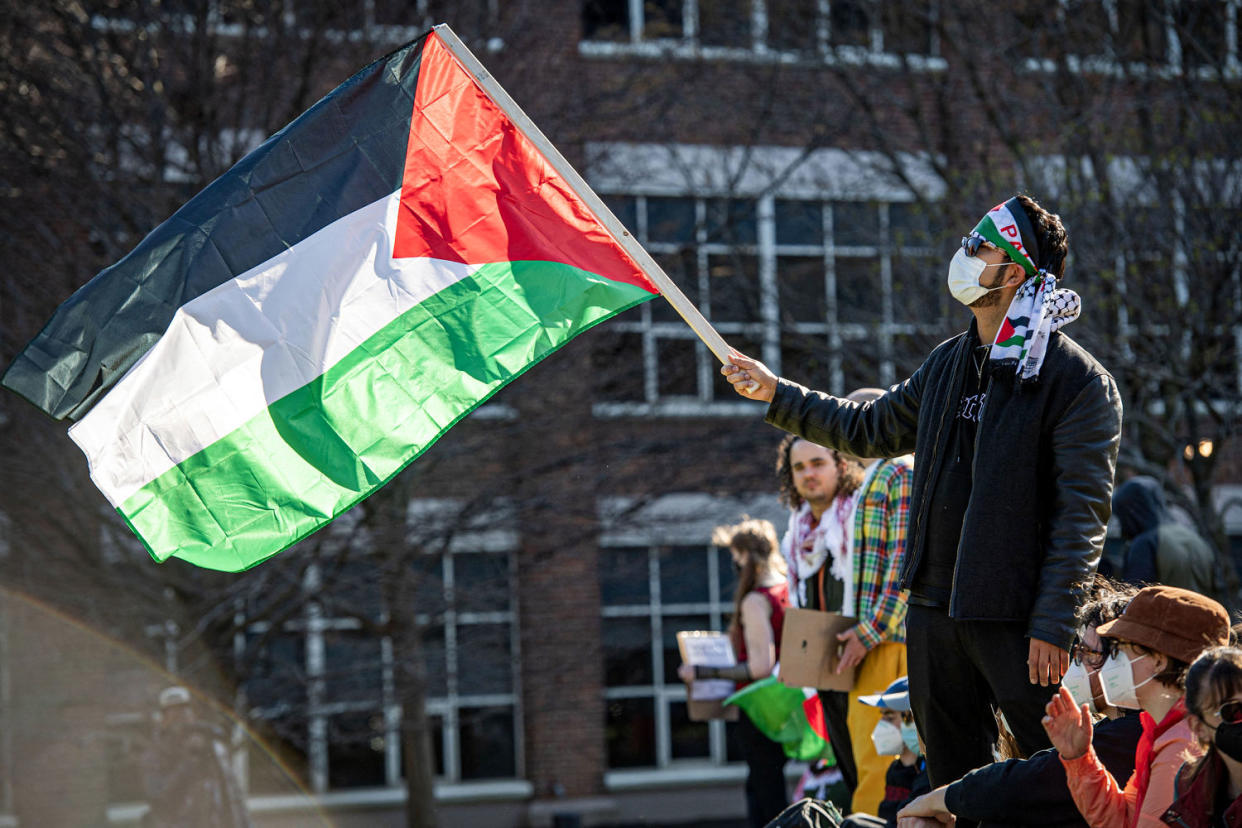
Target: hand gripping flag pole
x: 668, y: 288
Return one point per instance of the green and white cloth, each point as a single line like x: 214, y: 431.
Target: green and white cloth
x: 1039, y: 307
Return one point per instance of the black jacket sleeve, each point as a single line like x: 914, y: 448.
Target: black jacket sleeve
x: 884, y: 427
x: 1033, y: 791
x: 1085, y: 440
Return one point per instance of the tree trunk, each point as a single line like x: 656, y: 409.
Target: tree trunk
x: 387, y: 515
x: 411, y: 686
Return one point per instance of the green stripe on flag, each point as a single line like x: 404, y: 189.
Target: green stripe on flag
x: 319, y: 450
x: 776, y: 710
x: 988, y: 230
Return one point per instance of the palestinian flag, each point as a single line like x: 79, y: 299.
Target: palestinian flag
x: 307, y: 325
x: 792, y: 716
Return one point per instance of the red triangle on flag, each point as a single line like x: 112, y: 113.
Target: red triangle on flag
x: 477, y: 190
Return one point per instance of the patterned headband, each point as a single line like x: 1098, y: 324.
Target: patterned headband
x: 1008, y: 227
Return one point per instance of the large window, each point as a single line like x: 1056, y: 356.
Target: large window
x: 763, y: 29
x: 660, y: 575
x: 388, y: 21
x: 1199, y: 37
x: 323, y: 689
x: 649, y: 593
x: 835, y: 294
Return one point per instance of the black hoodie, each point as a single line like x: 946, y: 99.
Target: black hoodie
x: 1160, y: 549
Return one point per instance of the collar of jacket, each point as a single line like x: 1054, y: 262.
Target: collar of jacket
x: 1197, y: 788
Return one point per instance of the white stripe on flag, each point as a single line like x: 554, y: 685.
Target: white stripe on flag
x: 230, y: 353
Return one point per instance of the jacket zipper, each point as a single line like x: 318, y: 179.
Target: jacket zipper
x: 974, y: 458
x: 935, y: 472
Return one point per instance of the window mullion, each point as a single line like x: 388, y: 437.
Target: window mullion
x: 835, y: 373
x: 769, y: 303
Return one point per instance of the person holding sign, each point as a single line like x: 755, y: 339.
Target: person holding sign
x: 1015, y: 430
x: 755, y: 631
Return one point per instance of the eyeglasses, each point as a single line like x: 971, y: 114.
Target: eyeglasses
x: 1230, y: 712
x: 973, y: 242
x: 1080, y: 653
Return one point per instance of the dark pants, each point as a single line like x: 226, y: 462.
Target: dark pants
x: 836, y: 713
x: 765, y: 777
x: 958, y: 670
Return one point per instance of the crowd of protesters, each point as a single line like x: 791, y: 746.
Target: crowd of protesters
x: 1000, y: 680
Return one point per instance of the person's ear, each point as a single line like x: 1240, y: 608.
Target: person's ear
x: 1159, y: 663
x: 1014, y: 275
x: 1199, y: 727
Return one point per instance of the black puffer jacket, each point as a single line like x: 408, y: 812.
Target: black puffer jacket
x: 1043, y: 474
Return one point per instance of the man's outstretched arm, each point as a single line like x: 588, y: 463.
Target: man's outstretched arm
x: 884, y: 427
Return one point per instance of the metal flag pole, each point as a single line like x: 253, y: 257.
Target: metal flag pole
x: 668, y: 288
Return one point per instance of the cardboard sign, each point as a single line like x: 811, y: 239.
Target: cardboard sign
x: 704, y: 698
x: 809, y: 650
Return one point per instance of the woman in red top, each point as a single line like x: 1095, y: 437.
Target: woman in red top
x: 1209, y: 789
x: 758, y: 616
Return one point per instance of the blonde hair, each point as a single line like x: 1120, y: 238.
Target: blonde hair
x: 756, y: 541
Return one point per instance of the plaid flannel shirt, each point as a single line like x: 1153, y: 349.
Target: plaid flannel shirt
x: 880, y: 523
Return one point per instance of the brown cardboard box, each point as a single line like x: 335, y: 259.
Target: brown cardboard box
x: 707, y: 709
x: 809, y: 650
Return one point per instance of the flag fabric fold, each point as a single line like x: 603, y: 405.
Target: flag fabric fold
x: 792, y: 716
x: 317, y: 317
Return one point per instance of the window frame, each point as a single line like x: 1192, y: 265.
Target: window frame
x: 1106, y: 62
x: 676, y: 520
x: 313, y: 626
x: 690, y: 47
x: 707, y: 397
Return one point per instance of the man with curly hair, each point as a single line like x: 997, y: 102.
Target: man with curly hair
x: 843, y: 551
x: 1015, y: 430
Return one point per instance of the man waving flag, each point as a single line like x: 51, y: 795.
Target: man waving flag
x: 307, y: 325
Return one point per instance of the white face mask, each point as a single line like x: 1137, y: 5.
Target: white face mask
x: 887, y: 739
x: 910, y: 736
x: 964, y: 273
x: 1078, y: 681
x: 1117, y: 681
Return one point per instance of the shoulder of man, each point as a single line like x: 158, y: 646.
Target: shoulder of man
x: 945, y: 349
x: 1070, y: 360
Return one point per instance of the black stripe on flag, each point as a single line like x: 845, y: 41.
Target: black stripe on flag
x: 345, y: 152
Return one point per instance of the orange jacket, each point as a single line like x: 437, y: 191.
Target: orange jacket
x: 1104, y: 804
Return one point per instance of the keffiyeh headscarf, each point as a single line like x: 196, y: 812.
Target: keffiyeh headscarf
x: 1039, y: 307
x: 809, y: 545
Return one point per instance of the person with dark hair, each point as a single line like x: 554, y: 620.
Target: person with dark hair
x: 1159, y: 550
x: 1208, y: 791
x: 755, y: 631
x: 1154, y: 641
x: 1032, y: 791
x: 1015, y: 430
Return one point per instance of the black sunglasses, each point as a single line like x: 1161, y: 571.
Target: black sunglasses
x: 972, y: 243
x: 1230, y: 712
